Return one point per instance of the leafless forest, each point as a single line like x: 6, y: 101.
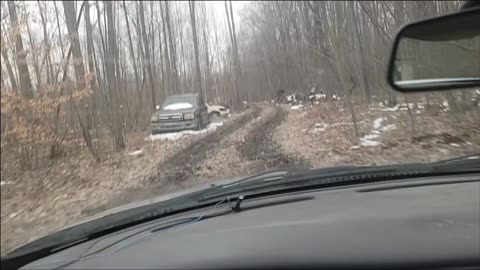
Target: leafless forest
x: 80, y: 80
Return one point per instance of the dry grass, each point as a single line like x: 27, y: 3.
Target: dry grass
x: 453, y: 135
x: 38, y: 201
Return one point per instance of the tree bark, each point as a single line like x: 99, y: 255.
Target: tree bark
x: 112, y: 78
x: 147, y: 59
x: 8, y: 66
x: 198, y: 76
x: 20, y: 54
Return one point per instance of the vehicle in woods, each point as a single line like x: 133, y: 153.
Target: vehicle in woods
x: 215, y: 111
x: 180, y: 112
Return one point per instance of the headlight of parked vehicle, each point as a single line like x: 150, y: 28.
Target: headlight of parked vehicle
x: 154, y: 118
x: 188, y: 116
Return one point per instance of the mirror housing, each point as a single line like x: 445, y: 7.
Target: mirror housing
x: 435, y: 54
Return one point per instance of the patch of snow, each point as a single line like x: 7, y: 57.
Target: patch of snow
x: 371, y: 136
x: 392, y: 109
x: 12, y: 215
x: 388, y: 127
x: 378, y: 128
x: 366, y: 143
x: 178, y: 106
x: 291, y: 98
x: 3, y: 183
x: 354, y: 147
x: 136, y: 153
x: 473, y: 157
x: 178, y: 135
x: 316, y: 102
x: 320, y: 127
x: 377, y: 123
x: 455, y: 144
x: 296, y: 107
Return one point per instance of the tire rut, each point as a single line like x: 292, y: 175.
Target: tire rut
x: 178, y: 168
x: 260, y: 147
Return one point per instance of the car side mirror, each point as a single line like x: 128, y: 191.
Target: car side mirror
x: 438, y: 53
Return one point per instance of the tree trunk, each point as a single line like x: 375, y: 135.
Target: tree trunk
x: 92, y: 119
x: 198, y: 77
x: 20, y: 54
x: 112, y: 78
x: 69, y: 8
x: 148, y: 59
x: 173, y: 52
x: 8, y: 66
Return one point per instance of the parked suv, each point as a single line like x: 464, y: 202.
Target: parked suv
x: 180, y: 112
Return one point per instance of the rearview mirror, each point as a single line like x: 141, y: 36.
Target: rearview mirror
x: 439, y: 53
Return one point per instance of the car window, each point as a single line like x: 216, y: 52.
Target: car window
x: 302, y: 84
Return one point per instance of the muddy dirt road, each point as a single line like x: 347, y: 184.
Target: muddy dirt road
x: 78, y: 189
x: 242, y: 147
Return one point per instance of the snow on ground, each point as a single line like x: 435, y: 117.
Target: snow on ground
x: 296, y: 107
x: 392, y: 109
x: 2, y: 183
x: 136, y: 153
x: 400, y: 107
x: 178, y: 106
x: 378, y: 128
x: 377, y: 123
x: 180, y: 134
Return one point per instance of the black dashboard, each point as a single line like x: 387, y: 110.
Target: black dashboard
x: 424, y: 223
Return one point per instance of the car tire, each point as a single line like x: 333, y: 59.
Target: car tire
x: 199, y: 124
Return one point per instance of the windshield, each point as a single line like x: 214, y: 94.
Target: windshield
x: 179, y: 102
x: 303, y: 85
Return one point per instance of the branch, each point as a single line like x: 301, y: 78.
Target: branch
x: 386, y: 38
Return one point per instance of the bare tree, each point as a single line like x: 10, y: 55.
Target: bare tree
x: 147, y: 59
x: 20, y: 53
x: 198, y: 76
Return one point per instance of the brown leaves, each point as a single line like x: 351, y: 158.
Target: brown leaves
x: 34, y: 117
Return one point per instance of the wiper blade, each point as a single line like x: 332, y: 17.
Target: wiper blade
x: 348, y: 176
x: 467, y: 158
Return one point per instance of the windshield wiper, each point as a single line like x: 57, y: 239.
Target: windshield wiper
x: 319, y: 178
